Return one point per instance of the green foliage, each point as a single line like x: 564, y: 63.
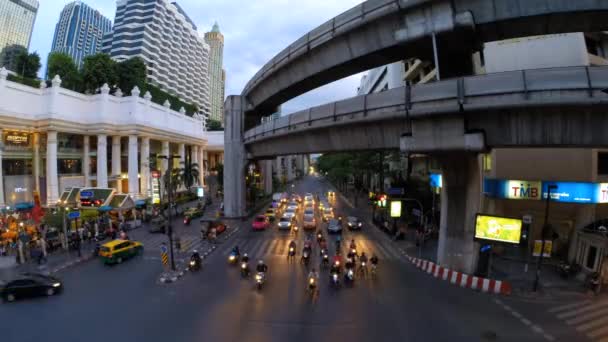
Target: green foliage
x: 97, y: 70
x: 159, y: 96
x: 8, y: 56
x: 189, y: 173
x: 131, y: 73
x: 32, y: 82
x: 27, y: 65
x: 214, y: 125
x: 63, y: 65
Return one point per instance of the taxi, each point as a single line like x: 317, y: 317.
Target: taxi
x: 271, y: 214
x: 116, y: 251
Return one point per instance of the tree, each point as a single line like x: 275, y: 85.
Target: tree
x: 97, y: 70
x: 63, y: 65
x: 27, y: 65
x: 8, y: 56
x: 189, y: 173
x: 131, y: 72
x: 214, y: 125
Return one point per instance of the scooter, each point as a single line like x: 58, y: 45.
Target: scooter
x: 312, y: 284
x: 260, y: 278
x: 187, y: 221
x: 305, y: 258
x: 194, y: 264
x: 334, y: 279
x: 244, y: 269
x: 349, y: 276
x: 233, y: 258
x: 325, y: 260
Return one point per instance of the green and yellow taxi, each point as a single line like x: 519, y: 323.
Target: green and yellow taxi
x: 271, y: 214
x: 115, y: 252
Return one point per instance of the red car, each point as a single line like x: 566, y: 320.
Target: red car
x: 261, y: 222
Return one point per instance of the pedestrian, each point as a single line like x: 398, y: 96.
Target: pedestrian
x: 43, y: 248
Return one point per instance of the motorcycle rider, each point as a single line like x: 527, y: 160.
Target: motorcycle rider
x: 245, y: 258
x: 374, y: 260
x: 196, y: 258
x: 313, y: 274
x: 261, y: 268
x: 352, y: 244
x: 236, y: 251
x: 363, y: 260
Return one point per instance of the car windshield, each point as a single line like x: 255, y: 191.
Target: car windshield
x: 308, y: 218
x: 260, y: 219
x: 285, y: 219
x: 290, y: 210
x: 352, y: 219
x: 309, y: 212
x: 327, y: 211
x: 333, y: 222
x: 104, y: 249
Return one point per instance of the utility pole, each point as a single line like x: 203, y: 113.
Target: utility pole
x: 169, y: 191
x: 542, y: 236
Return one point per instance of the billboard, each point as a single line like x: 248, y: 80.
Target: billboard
x: 499, y: 229
x: 396, y: 209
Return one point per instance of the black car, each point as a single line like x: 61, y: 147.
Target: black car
x: 30, y: 285
x: 353, y: 223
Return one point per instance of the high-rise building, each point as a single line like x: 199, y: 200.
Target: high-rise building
x: 217, y: 75
x: 79, y: 31
x: 160, y: 33
x: 16, y: 22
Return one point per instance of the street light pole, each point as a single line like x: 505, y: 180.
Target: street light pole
x: 168, y: 191
x: 542, y: 237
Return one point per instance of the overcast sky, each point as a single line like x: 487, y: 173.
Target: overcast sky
x: 254, y: 31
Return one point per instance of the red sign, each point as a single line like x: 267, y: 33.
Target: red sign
x: 155, y: 174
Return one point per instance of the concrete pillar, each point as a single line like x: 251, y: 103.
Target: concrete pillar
x: 205, y: 166
x: 235, y: 163
x: 291, y: 175
x: 144, y: 166
x: 86, y: 160
x: 460, y: 202
x: 201, y: 165
x: 164, y: 163
x: 52, y: 182
x: 181, y: 150
x: 133, y: 172
x: 102, y: 161
x: 36, y: 161
x: 267, y: 174
x: 1, y: 152
x: 116, y: 164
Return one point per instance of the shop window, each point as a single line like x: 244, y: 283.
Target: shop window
x: 93, y: 165
x: 487, y: 162
x: 591, y: 257
x: 69, y: 166
x: 602, y: 163
x: 16, y: 167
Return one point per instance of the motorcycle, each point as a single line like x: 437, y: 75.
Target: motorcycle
x: 305, y: 258
x: 194, y: 264
x: 374, y: 269
x: 187, y: 221
x: 233, y: 258
x: 244, y: 269
x: 322, y: 251
x: 334, y: 279
x: 291, y: 252
x: 325, y: 261
x: 295, y: 230
x: 363, y: 267
x: 567, y: 270
x: 260, y: 277
x: 593, y: 281
x: 312, y: 283
x: 319, y: 237
x: 349, y: 275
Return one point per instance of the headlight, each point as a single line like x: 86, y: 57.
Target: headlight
x: 192, y: 263
x: 337, y: 263
x: 56, y: 284
x: 258, y: 277
x: 350, y: 273
x: 350, y: 224
x: 359, y: 224
x: 363, y: 264
x: 311, y: 281
x: 335, y: 276
x: 244, y: 266
x: 291, y: 249
x: 231, y: 258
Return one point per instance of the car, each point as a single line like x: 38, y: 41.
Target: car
x: 331, y: 194
x: 309, y: 222
x: 353, y: 223
x: 309, y: 211
x: 208, y: 224
x: 158, y: 225
x: 271, y: 214
x: 116, y: 251
x: 296, y: 198
x: 285, y: 223
x: 30, y: 285
x: 334, y: 226
x: 289, y: 213
x: 328, y: 214
x: 261, y: 222
x: 193, y: 213
x: 293, y: 205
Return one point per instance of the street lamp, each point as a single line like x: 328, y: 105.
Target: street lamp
x: 168, y: 191
x: 542, y: 236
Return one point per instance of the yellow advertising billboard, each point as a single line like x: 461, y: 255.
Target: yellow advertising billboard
x: 546, y: 252
x: 500, y: 229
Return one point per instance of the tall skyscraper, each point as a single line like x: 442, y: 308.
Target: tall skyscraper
x: 162, y: 34
x: 215, y: 39
x: 17, y: 19
x: 79, y: 31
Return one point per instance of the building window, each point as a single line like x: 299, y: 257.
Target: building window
x: 487, y: 162
x: 69, y: 166
x: 602, y: 163
x: 16, y: 167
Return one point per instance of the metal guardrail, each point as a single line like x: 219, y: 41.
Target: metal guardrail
x: 458, y: 90
x: 356, y: 16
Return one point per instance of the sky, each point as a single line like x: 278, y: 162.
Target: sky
x: 254, y: 31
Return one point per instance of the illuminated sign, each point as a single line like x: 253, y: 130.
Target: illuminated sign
x: 573, y: 192
x: 200, y: 192
x: 17, y: 139
x: 499, y: 229
x: 396, y: 209
x: 436, y: 180
x: 538, y: 244
x: 18, y: 190
x: 516, y: 189
x: 602, y: 194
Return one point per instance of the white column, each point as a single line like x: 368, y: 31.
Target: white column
x: 116, y: 167
x: 195, y: 153
x: 164, y: 163
x: 102, y: 161
x: 182, y: 156
x: 201, y: 165
x: 36, y: 162
x: 144, y: 165
x: 86, y: 160
x: 133, y: 172
x: 1, y: 176
x: 52, y: 182
x: 205, y: 161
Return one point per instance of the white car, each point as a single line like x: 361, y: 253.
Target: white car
x: 290, y: 213
x: 293, y: 205
x: 309, y: 222
x: 309, y: 212
x: 334, y: 226
x: 284, y: 223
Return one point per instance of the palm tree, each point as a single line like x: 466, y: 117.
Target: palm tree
x: 189, y: 173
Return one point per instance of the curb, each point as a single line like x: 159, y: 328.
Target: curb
x: 463, y: 280
x: 71, y: 263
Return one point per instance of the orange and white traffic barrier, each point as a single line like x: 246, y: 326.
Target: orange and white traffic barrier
x: 462, y: 279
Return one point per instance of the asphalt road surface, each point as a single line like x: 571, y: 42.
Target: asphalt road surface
x: 126, y: 303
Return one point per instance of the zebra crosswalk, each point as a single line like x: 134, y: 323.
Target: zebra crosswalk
x: 587, y: 317
x: 264, y: 247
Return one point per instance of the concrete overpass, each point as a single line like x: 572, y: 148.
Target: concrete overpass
x: 453, y: 119
x: 378, y: 32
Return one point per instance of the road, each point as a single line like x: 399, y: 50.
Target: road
x: 126, y: 303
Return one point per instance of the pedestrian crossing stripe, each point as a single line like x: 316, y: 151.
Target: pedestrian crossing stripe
x: 587, y: 317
